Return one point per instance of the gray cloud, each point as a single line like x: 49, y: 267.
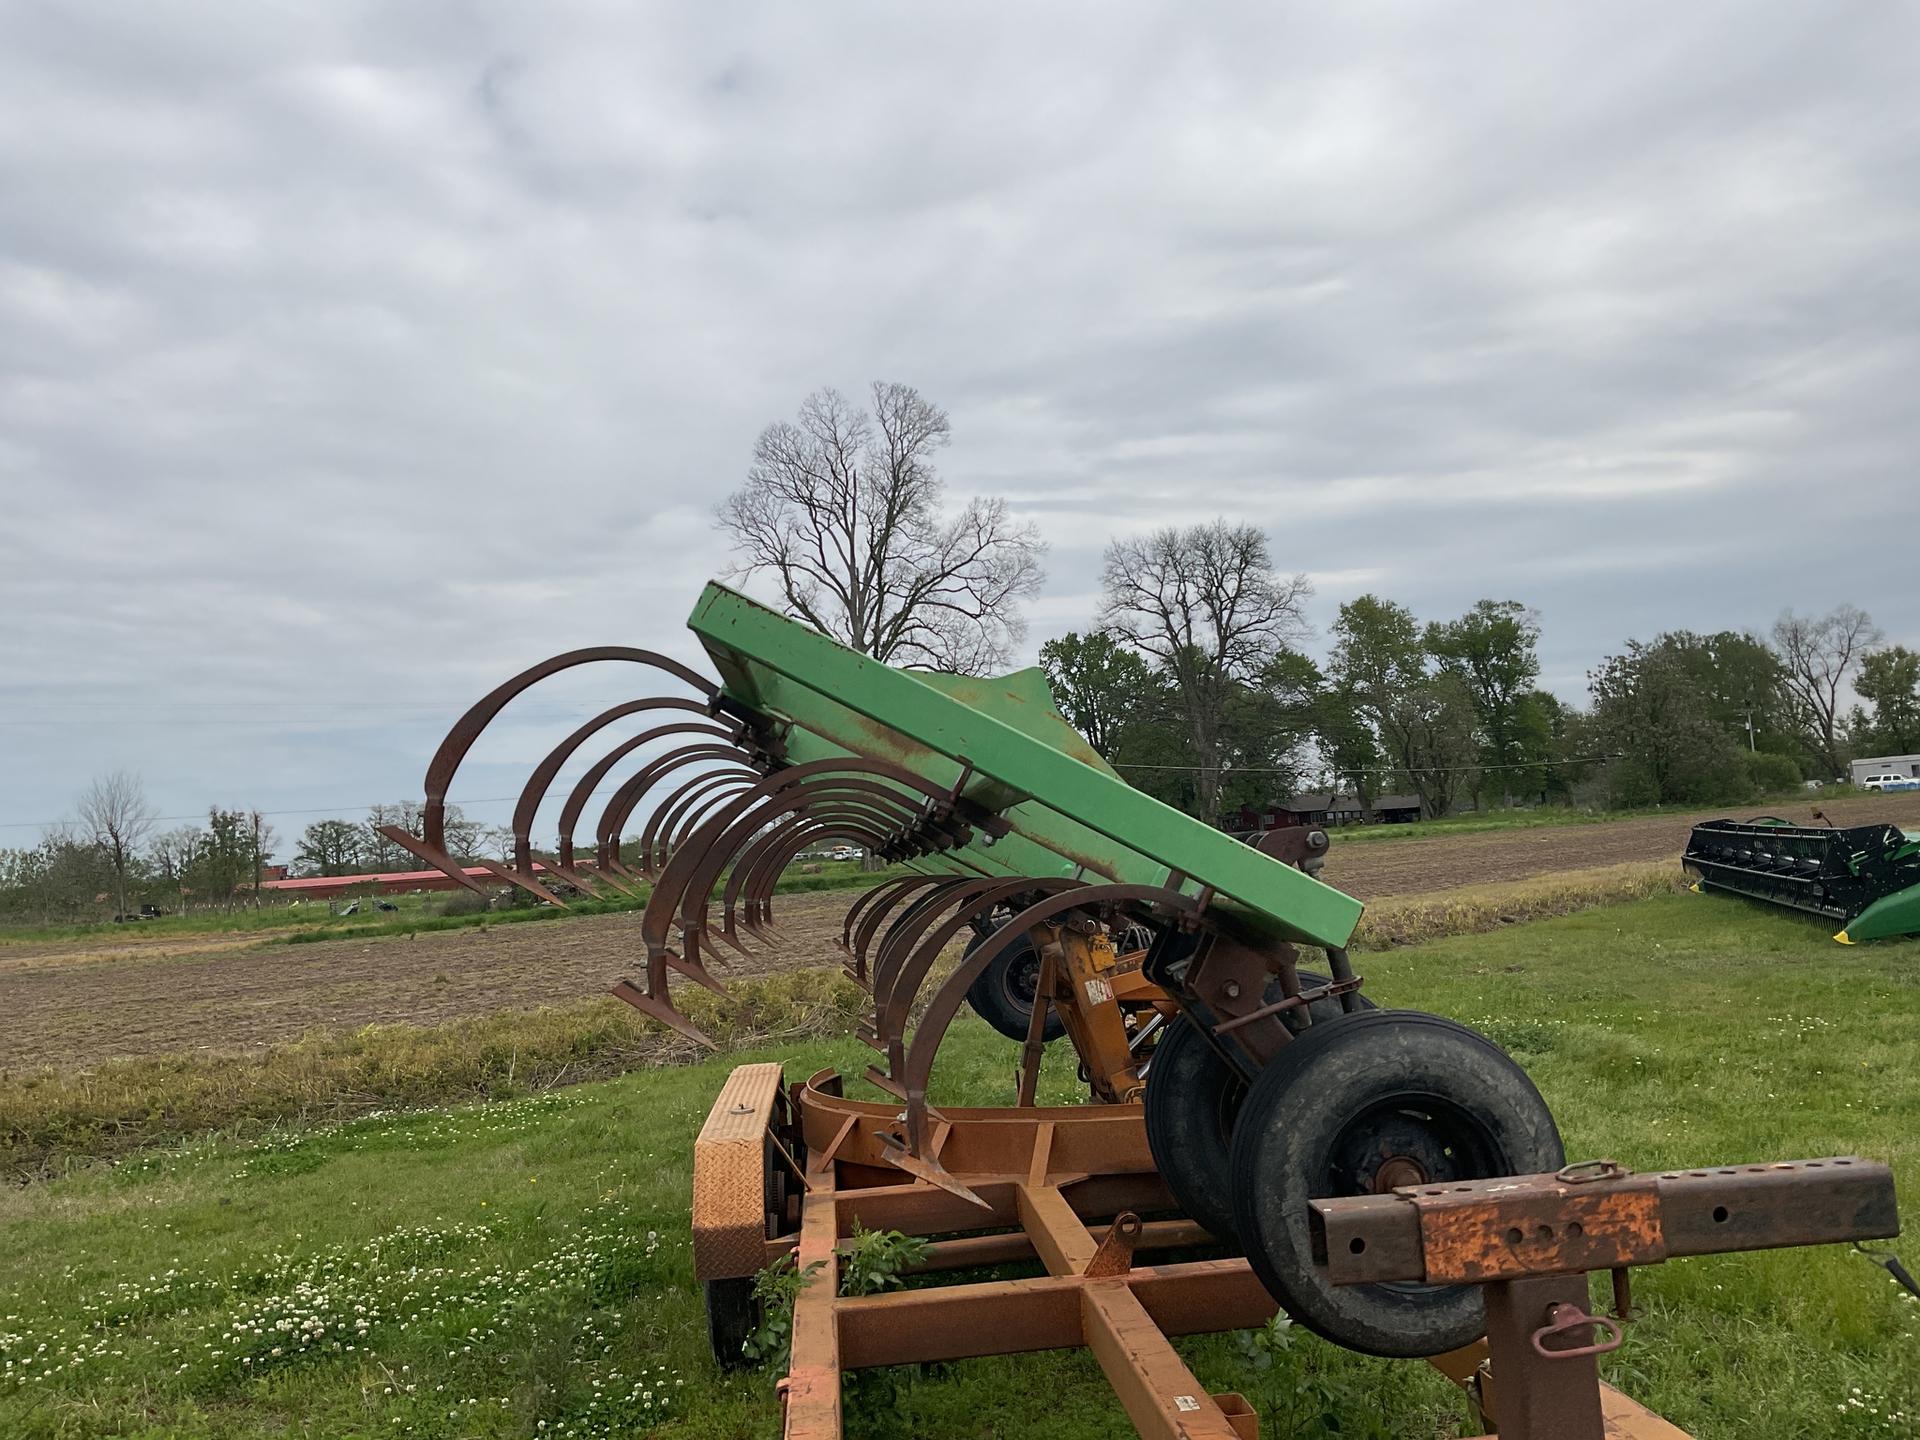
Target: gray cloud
x: 351, y: 356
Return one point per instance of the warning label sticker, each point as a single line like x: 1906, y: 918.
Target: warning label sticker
x: 1099, y: 992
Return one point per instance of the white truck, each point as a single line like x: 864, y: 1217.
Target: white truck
x: 1888, y: 780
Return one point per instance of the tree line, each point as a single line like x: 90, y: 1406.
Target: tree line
x: 1194, y: 679
x: 1193, y: 682
x: 112, y: 852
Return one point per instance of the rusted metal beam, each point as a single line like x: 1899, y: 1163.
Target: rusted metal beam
x: 1060, y: 1240
x: 1154, y: 1385
x: 812, y: 1387
x: 1006, y: 1317
x: 1540, y: 1398
x: 1588, y: 1218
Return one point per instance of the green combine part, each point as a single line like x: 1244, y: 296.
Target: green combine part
x: 1001, y: 744
x: 1866, y: 877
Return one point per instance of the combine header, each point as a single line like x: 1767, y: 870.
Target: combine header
x: 1244, y: 1101
x: 1867, y: 878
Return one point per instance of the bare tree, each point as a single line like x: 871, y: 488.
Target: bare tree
x: 843, y: 509
x: 116, y: 816
x: 261, y: 839
x: 1819, y: 653
x: 1206, y: 605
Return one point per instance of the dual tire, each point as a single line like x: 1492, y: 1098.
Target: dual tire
x: 1358, y: 1106
x: 1193, y: 1099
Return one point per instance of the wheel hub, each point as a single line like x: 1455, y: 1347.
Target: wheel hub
x: 1396, y: 1171
x: 1391, y: 1148
x: 1023, y: 978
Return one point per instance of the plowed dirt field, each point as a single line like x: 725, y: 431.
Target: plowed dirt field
x: 74, y: 1003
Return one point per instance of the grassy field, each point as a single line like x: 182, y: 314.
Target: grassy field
x: 523, y: 1268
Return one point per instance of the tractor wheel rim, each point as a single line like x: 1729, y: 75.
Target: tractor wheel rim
x: 1021, y: 979
x: 1411, y: 1139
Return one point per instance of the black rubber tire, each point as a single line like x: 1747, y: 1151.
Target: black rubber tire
x: 1002, y: 994
x: 1311, y: 1127
x: 1193, y: 1097
x: 732, y: 1315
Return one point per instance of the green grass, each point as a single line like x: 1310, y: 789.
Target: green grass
x: 501, y: 1253
x: 273, y: 914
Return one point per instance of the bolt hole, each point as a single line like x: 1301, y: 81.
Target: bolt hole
x: 1576, y: 1229
x: 1544, y: 1232
x: 1356, y: 1245
x: 1514, y: 1237
x: 1719, y: 1214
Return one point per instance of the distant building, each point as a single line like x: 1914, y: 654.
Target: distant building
x: 1328, y: 808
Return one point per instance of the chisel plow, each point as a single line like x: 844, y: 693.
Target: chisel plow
x: 1238, y: 1078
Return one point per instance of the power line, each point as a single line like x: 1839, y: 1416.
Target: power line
x: 146, y: 720
x: 1378, y: 769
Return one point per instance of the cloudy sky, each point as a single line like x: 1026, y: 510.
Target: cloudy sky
x: 355, y: 355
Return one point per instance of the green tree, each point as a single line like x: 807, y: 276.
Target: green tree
x: 1434, y: 740
x: 1890, y: 682
x: 1743, y: 686
x: 1492, y: 649
x: 225, y: 861
x: 1377, y: 665
x: 173, y: 855
x: 1347, y: 742
x: 329, y: 847
x: 1099, y: 685
x: 1654, y: 717
x: 1538, y: 728
x: 1267, y: 723
x: 62, y: 878
x: 1576, y: 744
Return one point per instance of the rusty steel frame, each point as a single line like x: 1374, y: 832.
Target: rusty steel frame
x: 1066, y: 1186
